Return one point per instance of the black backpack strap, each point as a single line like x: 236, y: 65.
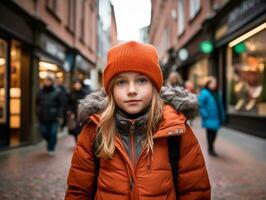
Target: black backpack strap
x: 97, y: 169
x: 174, y: 155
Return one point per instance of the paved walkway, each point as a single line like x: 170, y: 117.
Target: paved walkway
x: 238, y: 173
x: 30, y: 174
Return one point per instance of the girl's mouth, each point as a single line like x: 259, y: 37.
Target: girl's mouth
x: 133, y: 101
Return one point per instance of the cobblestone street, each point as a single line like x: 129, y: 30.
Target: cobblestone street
x: 29, y: 173
x: 239, y: 172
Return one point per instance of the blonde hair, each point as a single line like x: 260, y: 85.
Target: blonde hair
x: 106, y: 131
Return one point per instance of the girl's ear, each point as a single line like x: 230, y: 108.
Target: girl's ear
x: 154, y: 89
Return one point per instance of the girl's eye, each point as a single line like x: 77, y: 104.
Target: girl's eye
x: 121, y: 83
x: 142, y: 80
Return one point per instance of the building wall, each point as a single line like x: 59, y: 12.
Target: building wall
x: 165, y: 18
x: 192, y: 26
x: 163, y: 27
x: 57, y: 23
x: 114, y: 40
x: 107, y: 35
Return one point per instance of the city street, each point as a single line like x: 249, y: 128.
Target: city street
x: 238, y: 173
x: 54, y: 53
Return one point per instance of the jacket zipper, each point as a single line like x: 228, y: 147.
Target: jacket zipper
x: 132, y: 127
x: 132, y: 143
x: 131, y: 184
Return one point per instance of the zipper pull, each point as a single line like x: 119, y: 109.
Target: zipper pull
x: 131, y: 183
x: 132, y: 127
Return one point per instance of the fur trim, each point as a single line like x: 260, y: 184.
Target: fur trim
x: 93, y: 103
x: 180, y: 99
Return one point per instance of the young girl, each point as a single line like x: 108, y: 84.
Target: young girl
x: 127, y: 132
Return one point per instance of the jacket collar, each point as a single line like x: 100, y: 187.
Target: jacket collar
x: 173, y: 123
x: 125, y: 125
x: 179, y: 106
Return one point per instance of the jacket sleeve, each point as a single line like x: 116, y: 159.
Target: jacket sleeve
x: 202, y: 98
x: 193, y: 178
x: 82, y: 171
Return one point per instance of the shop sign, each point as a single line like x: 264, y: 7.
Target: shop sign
x: 55, y: 50
x: 221, y: 31
x: 240, y: 48
x: 242, y: 9
x: 237, y: 17
x: 206, y: 47
x: 83, y: 64
x: 52, y: 47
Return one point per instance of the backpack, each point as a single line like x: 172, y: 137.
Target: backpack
x: 174, y: 155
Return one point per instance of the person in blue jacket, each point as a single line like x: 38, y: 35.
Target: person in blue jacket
x: 212, y: 111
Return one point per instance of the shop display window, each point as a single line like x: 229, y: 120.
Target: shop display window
x: 80, y: 75
x: 247, y: 75
x: 46, y: 68
x: 15, y: 93
x: 198, y: 73
x: 15, y: 85
x: 3, y: 79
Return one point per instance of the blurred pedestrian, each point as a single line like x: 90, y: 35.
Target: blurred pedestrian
x: 49, y: 108
x: 64, y: 97
x: 174, y: 79
x: 77, y: 92
x: 189, y: 86
x: 133, y: 143
x: 212, y: 111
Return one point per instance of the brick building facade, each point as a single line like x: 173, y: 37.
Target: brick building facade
x: 222, y: 38
x: 37, y: 38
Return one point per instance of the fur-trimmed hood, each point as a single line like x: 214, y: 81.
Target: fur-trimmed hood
x: 180, y: 99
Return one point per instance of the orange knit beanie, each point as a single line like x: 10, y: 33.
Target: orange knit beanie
x: 133, y: 57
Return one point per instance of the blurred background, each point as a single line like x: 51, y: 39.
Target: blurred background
x: 69, y: 40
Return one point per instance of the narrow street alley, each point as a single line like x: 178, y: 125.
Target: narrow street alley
x: 239, y: 171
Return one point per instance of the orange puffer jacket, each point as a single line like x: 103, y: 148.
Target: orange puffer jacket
x: 151, y: 178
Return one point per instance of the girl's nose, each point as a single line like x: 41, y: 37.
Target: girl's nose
x: 132, y: 88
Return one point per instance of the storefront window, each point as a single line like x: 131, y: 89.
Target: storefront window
x: 80, y: 75
x: 198, y: 73
x: 3, y: 49
x: 247, y: 75
x: 15, y: 92
x: 50, y: 69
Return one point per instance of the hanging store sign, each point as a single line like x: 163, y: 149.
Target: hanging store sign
x: 206, y: 47
x: 183, y: 54
x: 240, y: 48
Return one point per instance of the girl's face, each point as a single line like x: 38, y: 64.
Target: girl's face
x: 132, y: 92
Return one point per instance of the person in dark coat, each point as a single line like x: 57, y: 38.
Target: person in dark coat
x: 78, y: 92
x: 49, y: 108
x: 64, y: 96
x: 212, y: 111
